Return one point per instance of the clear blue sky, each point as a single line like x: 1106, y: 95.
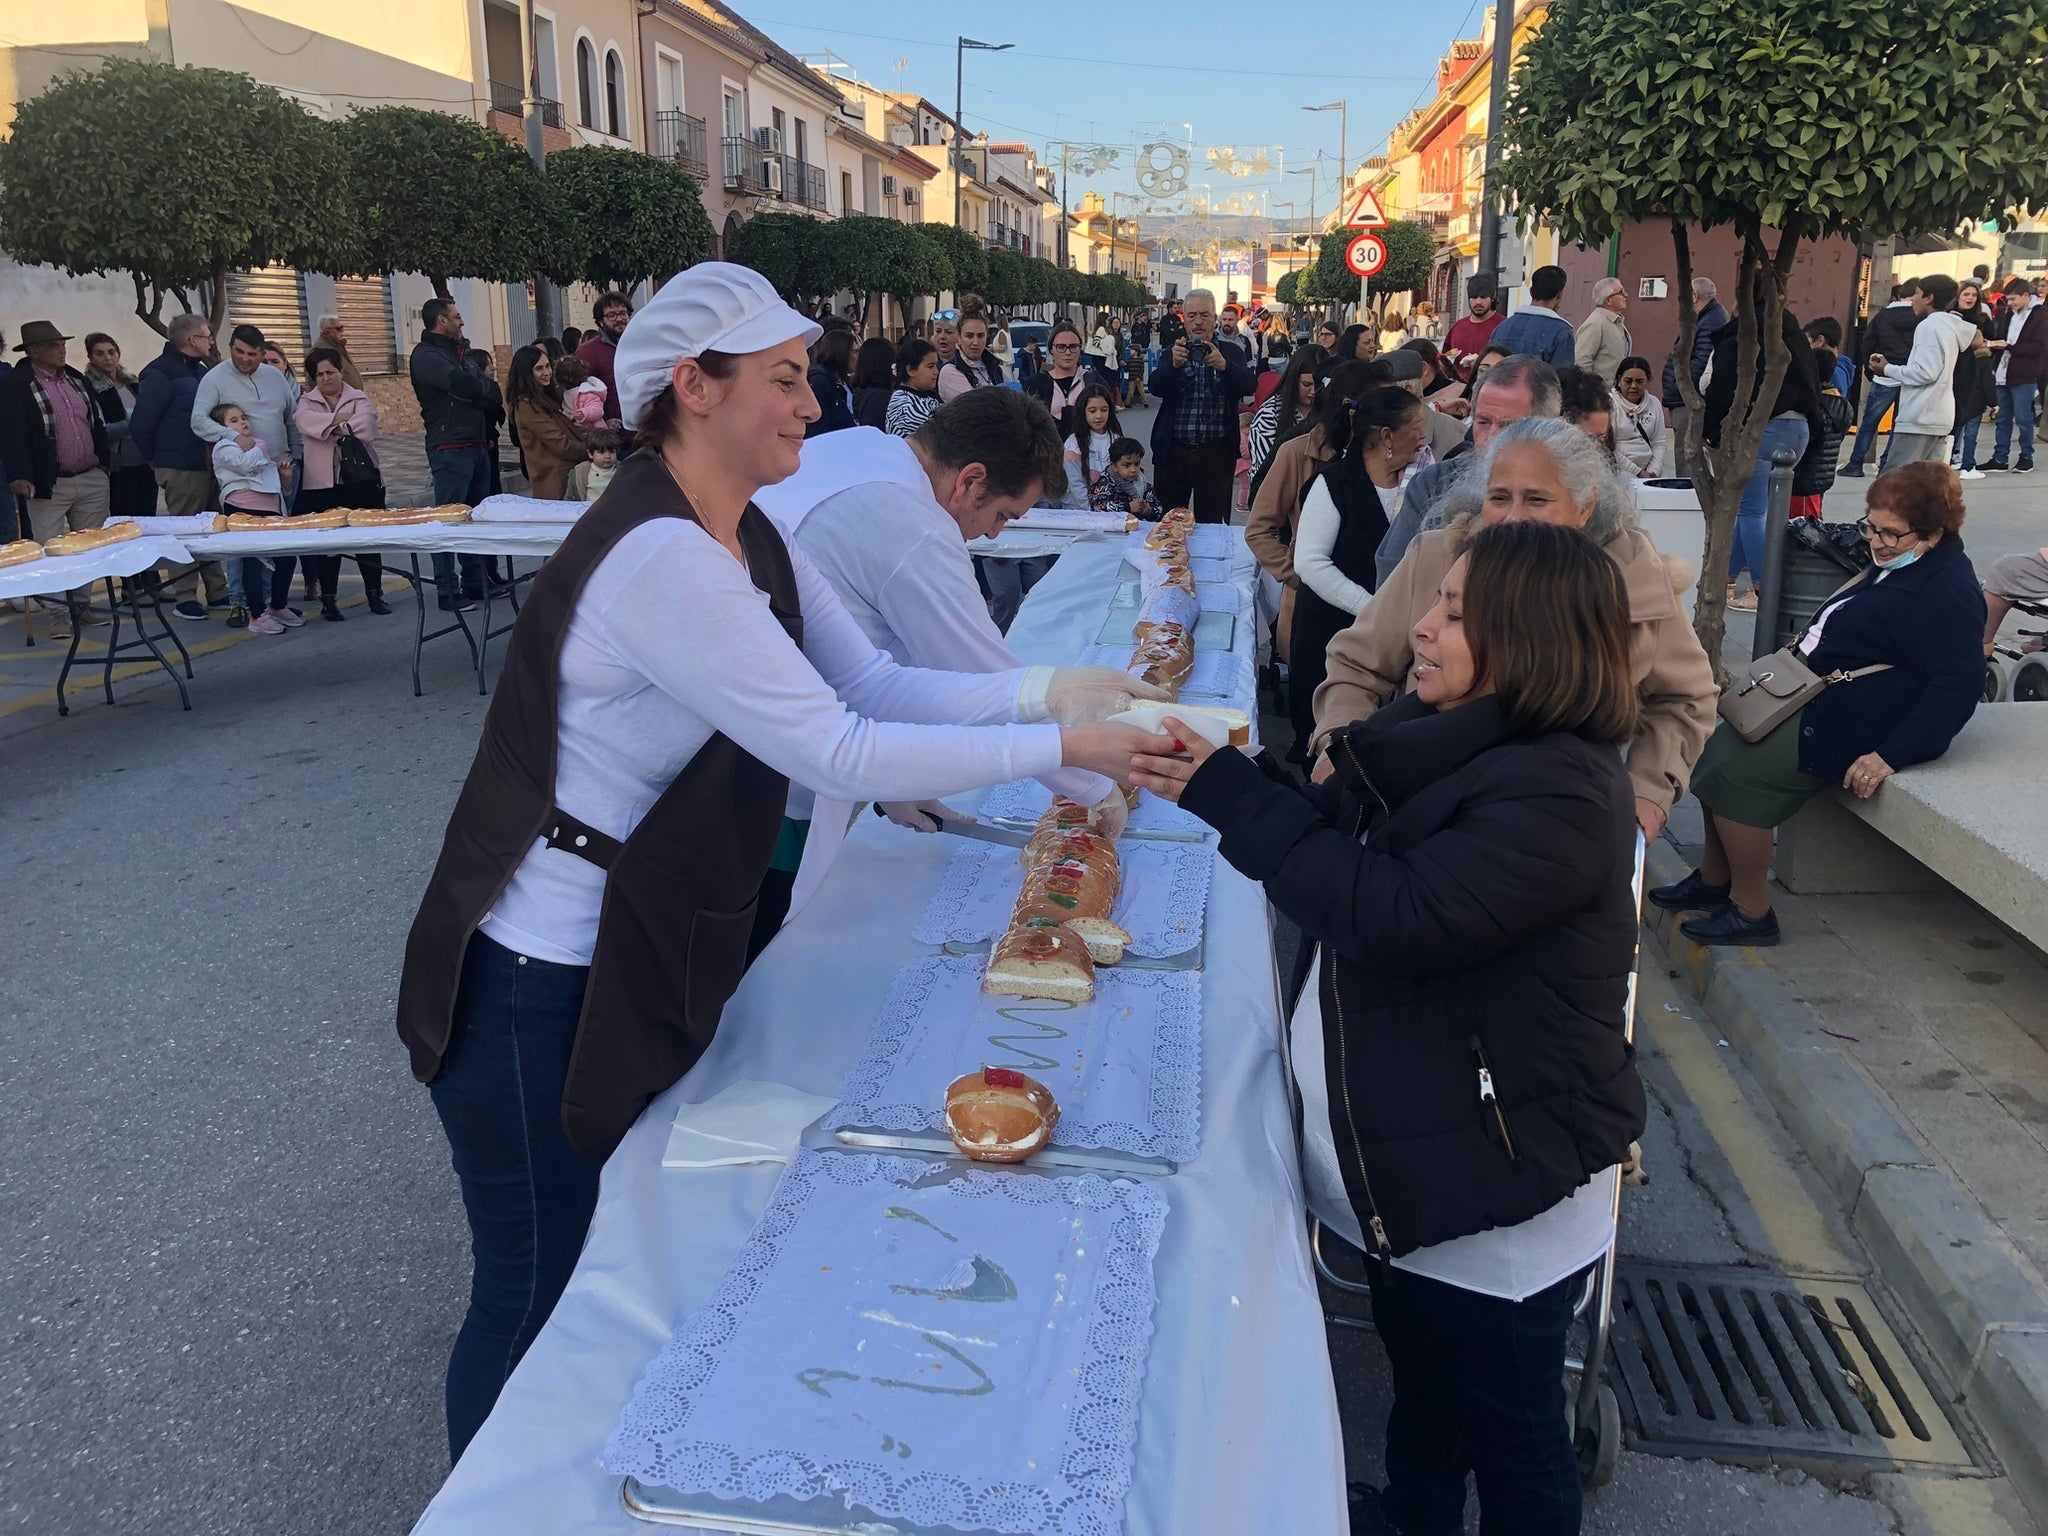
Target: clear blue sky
x: 1131, y: 74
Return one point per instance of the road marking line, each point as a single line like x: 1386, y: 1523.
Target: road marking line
x: 1791, y: 1221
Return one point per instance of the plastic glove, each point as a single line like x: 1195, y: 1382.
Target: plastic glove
x: 1082, y: 695
x: 918, y: 815
x: 1110, y: 813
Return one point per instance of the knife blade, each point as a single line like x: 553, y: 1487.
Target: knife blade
x: 984, y: 832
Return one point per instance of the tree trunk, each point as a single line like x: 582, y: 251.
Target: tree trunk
x: 1721, y: 477
x: 217, y: 309
x: 440, y: 287
x: 149, y: 305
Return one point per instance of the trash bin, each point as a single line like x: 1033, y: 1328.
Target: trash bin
x: 1819, y: 557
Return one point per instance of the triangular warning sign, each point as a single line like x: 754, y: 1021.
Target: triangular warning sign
x: 1366, y: 213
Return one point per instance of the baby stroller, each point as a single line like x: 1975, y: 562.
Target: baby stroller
x: 1596, y: 1411
x: 2015, y: 675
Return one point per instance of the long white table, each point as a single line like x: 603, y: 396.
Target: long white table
x: 1238, y: 1430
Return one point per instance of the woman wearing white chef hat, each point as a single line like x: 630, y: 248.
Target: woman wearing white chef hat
x: 674, y: 667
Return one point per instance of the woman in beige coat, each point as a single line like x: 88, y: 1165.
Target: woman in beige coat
x: 1545, y: 469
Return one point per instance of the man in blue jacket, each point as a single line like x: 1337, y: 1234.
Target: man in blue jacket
x: 1537, y: 329
x: 1710, y: 317
x: 182, y: 460
x: 1198, y: 382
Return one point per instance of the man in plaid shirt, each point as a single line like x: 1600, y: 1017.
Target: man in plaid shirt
x: 1198, y: 382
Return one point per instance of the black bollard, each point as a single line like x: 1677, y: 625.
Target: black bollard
x: 1770, y: 580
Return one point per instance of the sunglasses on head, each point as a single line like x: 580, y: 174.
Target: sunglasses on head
x: 947, y: 314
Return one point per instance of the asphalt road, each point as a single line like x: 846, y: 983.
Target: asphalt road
x: 232, y: 1255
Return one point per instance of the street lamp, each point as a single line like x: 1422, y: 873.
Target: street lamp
x: 959, y: 127
x: 1310, y: 173
x: 1343, y: 111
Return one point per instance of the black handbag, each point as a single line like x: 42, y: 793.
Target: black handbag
x: 353, y: 466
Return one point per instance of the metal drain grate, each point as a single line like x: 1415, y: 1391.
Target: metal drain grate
x: 1737, y: 1363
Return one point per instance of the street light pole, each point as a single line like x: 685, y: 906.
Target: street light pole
x: 961, y: 45
x: 1310, y: 173
x: 547, y: 306
x: 1496, y: 108
x: 1343, y: 111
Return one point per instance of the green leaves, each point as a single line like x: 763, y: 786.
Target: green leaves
x: 173, y: 174
x: 618, y: 217
x: 1843, y: 115
x: 442, y: 195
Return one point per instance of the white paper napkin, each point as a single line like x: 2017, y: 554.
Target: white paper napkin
x: 748, y: 1122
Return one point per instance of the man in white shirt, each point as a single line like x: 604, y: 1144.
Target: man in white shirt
x: 886, y: 521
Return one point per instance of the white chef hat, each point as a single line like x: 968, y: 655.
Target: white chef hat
x: 713, y: 307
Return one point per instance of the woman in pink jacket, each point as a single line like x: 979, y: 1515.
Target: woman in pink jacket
x: 331, y: 410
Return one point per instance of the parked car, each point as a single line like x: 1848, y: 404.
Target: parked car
x: 1022, y: 334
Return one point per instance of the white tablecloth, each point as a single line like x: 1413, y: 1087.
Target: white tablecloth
x: 60, y: 573
x: 1238, y: 1428
x: 533, y: 539
x: 1015, y: 543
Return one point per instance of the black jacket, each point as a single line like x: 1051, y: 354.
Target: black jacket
x: 27, y: 451
x: 1039, y: 386
x: 1815, y: 472
x: 1167, y: 382
x: 1976, y: 381
x: 1890, y: 332
x: 1927, y: 621
x: 451, y: 392
x: 835, y: 413
x: 1478, y: 938
x: 1710, y: 320
x: 1799, y: 393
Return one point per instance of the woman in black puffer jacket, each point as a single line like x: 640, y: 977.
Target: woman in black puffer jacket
x: 1468, y: 1088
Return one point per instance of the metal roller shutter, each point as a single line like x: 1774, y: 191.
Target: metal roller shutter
x: 274, y: 301
x: 364, y: 304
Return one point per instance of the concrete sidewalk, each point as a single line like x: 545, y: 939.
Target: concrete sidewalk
x: 1904, y: 1039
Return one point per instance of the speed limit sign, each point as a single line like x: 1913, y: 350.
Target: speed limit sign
x: 1366, y: 255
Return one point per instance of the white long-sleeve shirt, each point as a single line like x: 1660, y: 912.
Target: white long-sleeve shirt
x: 250, y: 469
x: 670, y: 643
x: 1640, y: 437
x: 860, y: 508
x: 1315, y: 540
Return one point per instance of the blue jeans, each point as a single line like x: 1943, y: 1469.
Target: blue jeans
x: 1009, y: 582
x: 1966, y: 441
x: 461, y: 474
x: 1478, y: 1392
x: 529, y: 1195
x: 1877, y: 399
x: 2015, y: 403
x: 1750, y: 525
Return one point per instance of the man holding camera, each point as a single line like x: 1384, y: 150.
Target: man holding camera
x: 1198, y: 383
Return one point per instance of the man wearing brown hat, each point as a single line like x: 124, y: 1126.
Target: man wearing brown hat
x: 54, y: 444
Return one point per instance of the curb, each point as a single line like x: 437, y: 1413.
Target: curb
x: 1974, y: 1300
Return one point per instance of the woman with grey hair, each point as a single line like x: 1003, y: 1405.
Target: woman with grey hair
x: 1544, y: 470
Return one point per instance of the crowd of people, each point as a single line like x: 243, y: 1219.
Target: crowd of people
x: 1493, y: 681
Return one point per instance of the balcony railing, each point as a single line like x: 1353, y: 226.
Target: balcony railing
x: 681, y: 138
x: 999, y: 238
x: 803, y: 183
x: 744, y: 166
x: 508, y: 99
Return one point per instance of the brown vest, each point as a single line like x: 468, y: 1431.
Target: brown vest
x: 679, y: 895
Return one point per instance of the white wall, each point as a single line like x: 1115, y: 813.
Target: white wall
x: 77, y: 306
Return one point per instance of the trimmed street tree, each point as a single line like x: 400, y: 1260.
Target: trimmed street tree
x: 1411, y: 256
x: 175, y: 176
x: 440, y: 195
x: 1287, y: 292
x: 967, y: 256
x: 916, y: 266
x: 865, y: 248
x: 1334, y: 281
x: 782, y: 247
x: 619, y: 217
x: 1835, y: 117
